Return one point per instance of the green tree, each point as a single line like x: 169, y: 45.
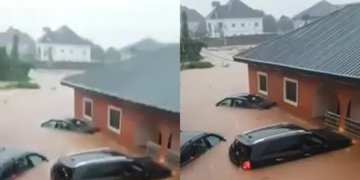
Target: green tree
x: 112, y: 55
x: 270, y: 24
x: 285, y: 24
x: 189, y: 49
x: 15, y: 48
x: 97, y: 52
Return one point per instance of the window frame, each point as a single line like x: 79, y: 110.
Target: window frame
x: 289, y: 101
x: 259, y: 73
x: 85, y: 116
x: 118, y: 131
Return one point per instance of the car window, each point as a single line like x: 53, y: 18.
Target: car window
x: 35, y: 159
x: 7, y: 171
x: 199, y: 147
x: 213, y: 140
x: 312, y: 141
x: 185, y: 155
x: 21, y: 165
x: 225, y: 102
x: 50, y: 124
x: 78, y: 122
x: 238, y: 103
x: 134, y: 169
x: 62, y: 125
x: 61, y: 172
x: 284, y: 145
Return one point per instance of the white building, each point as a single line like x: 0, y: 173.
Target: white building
x: 63, y: 45
x: 234, y: 19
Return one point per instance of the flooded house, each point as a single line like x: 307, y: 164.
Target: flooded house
x: 135, y: 102
x: 313, y: 72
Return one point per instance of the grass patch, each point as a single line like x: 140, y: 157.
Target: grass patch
x: 22, y: 85
x: 196, y: 65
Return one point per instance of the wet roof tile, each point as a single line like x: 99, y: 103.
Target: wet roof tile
x: 330, y: 45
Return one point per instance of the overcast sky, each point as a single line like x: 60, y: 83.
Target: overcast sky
x: 106, y: 22
x: 274, y: 7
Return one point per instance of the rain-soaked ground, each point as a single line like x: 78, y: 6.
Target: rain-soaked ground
x: 201, y: 89
x: 22, y: 112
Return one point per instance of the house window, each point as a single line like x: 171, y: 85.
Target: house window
x: 159, y: 139
x: 71, y: 51
x: 291, y: 91
x: 242, y: 24
x: 256, y: 24
x: 169, y: 142
x: 233, y: 25
x: 262, y: 83
x: 87, y: 108
x: 114, y: 119
x: 62, y: 50
x: 210, y: 27
x: 84, y: 52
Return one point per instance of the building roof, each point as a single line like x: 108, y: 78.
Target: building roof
x: 6, y: 38
x: 151, y: 78
x: 63, y: 35
x: 320, y: 9
x: 234, y: 9
x: 192, y: 14
x: 328, y: 46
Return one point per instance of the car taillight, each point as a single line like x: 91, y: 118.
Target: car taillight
x: 246, y: 165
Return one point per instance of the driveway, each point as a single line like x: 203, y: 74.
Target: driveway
x: 22, y: 112
x: 201, y: 89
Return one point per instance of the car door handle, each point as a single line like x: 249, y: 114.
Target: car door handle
x: 307, y: 154
x: 279, y: 159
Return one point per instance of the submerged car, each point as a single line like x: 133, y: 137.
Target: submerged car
x: 107, y: 164
x: 283, y: 142
x: 15, y: 162
x: 194, y: 144
x: 246, y: 101
x: 70, y: 124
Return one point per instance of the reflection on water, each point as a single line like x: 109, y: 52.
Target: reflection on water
x: 201, y: 89
x: 25, y: 110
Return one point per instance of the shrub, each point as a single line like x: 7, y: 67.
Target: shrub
x: 196, y: 65
x: 23, y: 85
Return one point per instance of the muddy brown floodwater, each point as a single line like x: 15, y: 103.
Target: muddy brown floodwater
x: 22, y: 112
x: 201, y: 89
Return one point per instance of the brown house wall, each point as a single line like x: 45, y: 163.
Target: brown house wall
x: 307, y: 91
x: 133, y: 115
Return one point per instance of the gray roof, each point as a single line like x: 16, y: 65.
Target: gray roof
x: 234, y: 9
x: 328, y: 46
x: 146, y: 44
x: 63, y: 35
x: 192, y: 14
x: 152, y: 78
x: 7, y: 37
x: 320, y: 9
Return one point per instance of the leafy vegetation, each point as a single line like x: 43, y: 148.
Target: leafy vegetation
x: 22, y: 85
x: 12, y: 68
x: 196, y: 65
x: 189, y: 48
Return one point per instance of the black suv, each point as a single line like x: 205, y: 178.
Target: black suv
x: 282, y: 142
x: 106, y: 164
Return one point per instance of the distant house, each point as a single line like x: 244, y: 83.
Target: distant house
x: 233, y: 19
x: 147, y: 44
x: 196, y: 22
x: 26, y: 44
x: 135, y: 102
x: 313, y: 72
x: 315, y: 12
x: 63, y: 45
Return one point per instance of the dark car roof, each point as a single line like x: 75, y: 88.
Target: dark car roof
x: 186, y: 136
x: 8, y: 153
x: 285, y: 129
x: 73, y: 160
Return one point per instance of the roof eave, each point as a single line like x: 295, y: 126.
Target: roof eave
x: 249, y: 60
x: 74, y: 85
